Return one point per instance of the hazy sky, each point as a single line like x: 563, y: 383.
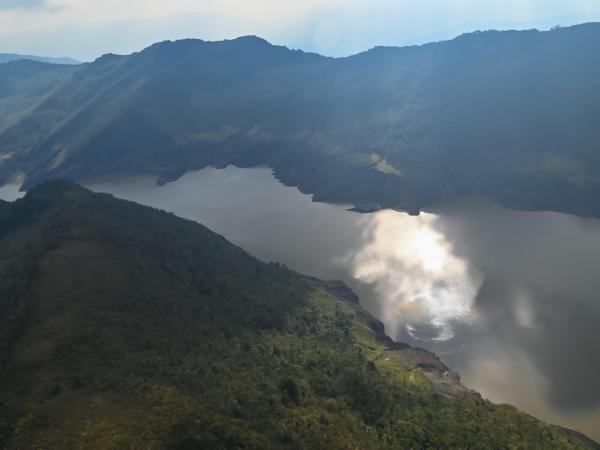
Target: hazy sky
x: 85, y: 29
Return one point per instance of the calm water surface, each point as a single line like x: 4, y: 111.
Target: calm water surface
x: 511, y: 300
x: 10, y: 192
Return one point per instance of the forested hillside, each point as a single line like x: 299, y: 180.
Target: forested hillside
x: 23, y: 84
x: 511, y: 116
x: 123, y: 326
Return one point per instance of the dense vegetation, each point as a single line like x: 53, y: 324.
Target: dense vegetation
x: 23, y: 84
x: 512, y: 116
x: 126, y: 327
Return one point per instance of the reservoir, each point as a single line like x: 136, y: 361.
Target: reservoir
x: 510, y: 300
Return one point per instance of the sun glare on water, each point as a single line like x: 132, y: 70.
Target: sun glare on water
x: 419, y: 282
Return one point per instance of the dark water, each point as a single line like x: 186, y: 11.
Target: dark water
x: 511, y: 300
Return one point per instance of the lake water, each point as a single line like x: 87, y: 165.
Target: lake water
x: 10, y: 192
x: 511, y: 300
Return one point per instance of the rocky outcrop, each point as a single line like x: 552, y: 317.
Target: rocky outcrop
x: 445, y: 381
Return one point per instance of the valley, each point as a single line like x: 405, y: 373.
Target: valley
x: 235, y: 244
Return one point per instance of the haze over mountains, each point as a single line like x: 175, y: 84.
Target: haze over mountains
x: 511, y: 116
x: 8, y: 57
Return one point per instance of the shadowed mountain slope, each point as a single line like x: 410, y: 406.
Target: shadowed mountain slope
x: 126, y: 327
x: 24, y: 83
x: 511, y: 116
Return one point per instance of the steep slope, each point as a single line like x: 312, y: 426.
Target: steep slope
x: 23, y: 83
x: 507, y: 115
x: 125, y: 327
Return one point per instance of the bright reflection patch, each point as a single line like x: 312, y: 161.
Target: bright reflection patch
x: 421, y: 285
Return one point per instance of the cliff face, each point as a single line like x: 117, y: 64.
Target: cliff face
x: 126, y: 327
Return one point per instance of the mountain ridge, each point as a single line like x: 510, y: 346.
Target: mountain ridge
x: 509, y: 116
x: 9, y: 57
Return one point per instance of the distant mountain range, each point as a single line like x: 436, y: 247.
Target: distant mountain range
x: 8, y: 57
x: 126, y: 327
x: 512, y: 116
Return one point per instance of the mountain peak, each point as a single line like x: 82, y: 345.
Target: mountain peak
x: 251, y: 38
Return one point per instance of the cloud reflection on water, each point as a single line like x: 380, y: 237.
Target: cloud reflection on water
x: 512, y: 297
x: 420, y: 284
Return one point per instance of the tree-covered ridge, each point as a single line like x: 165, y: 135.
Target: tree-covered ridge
x: 126, y: 327
x: 511, y: 116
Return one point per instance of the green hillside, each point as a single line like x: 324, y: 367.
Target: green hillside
x: 125, y: 327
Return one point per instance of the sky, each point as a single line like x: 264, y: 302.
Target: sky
x: 86, y: 29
